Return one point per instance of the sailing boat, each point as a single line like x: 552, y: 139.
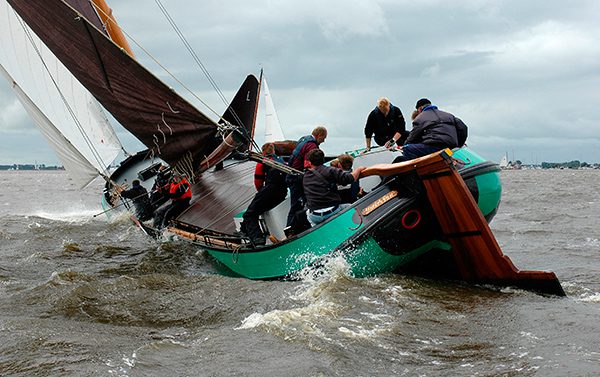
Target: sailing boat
x: 428, y: 214
x: 504, y: 161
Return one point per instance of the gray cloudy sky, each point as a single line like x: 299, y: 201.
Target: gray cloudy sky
x: 523, y: 75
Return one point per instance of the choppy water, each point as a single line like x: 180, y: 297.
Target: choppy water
x: 87, y: 296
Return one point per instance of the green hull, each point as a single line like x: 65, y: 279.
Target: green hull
x: 366, y: 245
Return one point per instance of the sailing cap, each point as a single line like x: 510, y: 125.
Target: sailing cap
x: 422, y: 102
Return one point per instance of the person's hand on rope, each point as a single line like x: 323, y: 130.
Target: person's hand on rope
x: 390, y: 144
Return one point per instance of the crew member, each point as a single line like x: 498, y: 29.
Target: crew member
x: 320, y: 187
x: 433, y: 130
x: 160, y: 188
x: 387, y: 124
x: 139, y: 196
x: 298, y: 161
x: 272, y: 190
x: 351, y: 192
x: 180, y: 192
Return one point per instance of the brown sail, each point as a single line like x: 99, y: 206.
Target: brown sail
x: 167, y: 124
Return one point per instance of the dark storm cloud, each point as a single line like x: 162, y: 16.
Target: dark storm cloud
x: 518, y: 73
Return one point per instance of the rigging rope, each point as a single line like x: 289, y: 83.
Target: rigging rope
x: 196, y: 59
x: 86, y: 138
x: 220, y: 126
x: 155, y: 60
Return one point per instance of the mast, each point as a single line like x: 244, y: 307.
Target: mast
x: 112, y: 27
x: 260, y: 78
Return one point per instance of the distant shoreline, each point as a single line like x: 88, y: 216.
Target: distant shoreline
x: 30, y: 167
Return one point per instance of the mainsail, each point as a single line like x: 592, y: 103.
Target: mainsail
x: 273, y: 131
x: 66, y: 113
x: 166, y: 123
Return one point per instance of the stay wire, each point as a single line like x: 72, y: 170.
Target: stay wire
x: 203, y: 68
x: 155, y: 60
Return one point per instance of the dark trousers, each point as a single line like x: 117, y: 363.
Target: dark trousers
x: 164, y: 215
x: 296, y: 199
x: 265, y: 200
x: 143, y: 210
x: 158, y: 198
x: 412, y: 151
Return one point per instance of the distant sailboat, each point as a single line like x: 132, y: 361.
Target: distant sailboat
x: 504, y: 161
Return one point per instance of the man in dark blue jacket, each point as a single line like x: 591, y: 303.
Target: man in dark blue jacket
x: 139, y: 196
x: 433, y: 130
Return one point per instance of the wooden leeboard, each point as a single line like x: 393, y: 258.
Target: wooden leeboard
x: 476, y: 251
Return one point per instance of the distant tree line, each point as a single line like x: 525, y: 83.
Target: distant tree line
x: 576, y: 164
x: 30, y: 167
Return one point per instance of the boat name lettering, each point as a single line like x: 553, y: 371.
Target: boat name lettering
x: 379, y: 202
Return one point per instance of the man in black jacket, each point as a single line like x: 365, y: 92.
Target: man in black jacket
x: 139, y: 196
x: 433, y: 130
x: 272, y: 190
x: 320, y: 187
x: 386, y: 123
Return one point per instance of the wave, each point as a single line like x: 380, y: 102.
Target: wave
x: 81, y: 215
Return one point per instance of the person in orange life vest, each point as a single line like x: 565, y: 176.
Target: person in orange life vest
x: 272, y: 190
x: 180, y: 193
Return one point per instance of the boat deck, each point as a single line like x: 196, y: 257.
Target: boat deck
x: 219, y: 195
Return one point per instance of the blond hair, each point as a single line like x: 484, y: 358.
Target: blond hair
x: 383, y: 102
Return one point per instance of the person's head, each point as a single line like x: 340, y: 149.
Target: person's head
x: 316, y: 157
x: 176, y: 177
x: 346, y: 161
x: 161, y: 167
x: 421, y: 104
x: 414, y: 114
x: 320, y: 133
x: 135, y: 182
x: 268, y: 148
x: 383, y: 104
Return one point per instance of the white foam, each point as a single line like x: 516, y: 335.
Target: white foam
x: 297, y: 319
x: 72, y: 216
x: 590, y: 297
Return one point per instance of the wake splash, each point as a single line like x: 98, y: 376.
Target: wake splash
x: 78, y: 214
x: 324, y: 308
x: 317, y: 284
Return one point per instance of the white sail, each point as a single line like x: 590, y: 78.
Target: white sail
x: 273, y: 131
x: 75, y: 163
x: 504, y: 161
x: 69, y: 117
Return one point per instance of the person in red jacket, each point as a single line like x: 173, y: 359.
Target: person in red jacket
x: 180, y: 193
